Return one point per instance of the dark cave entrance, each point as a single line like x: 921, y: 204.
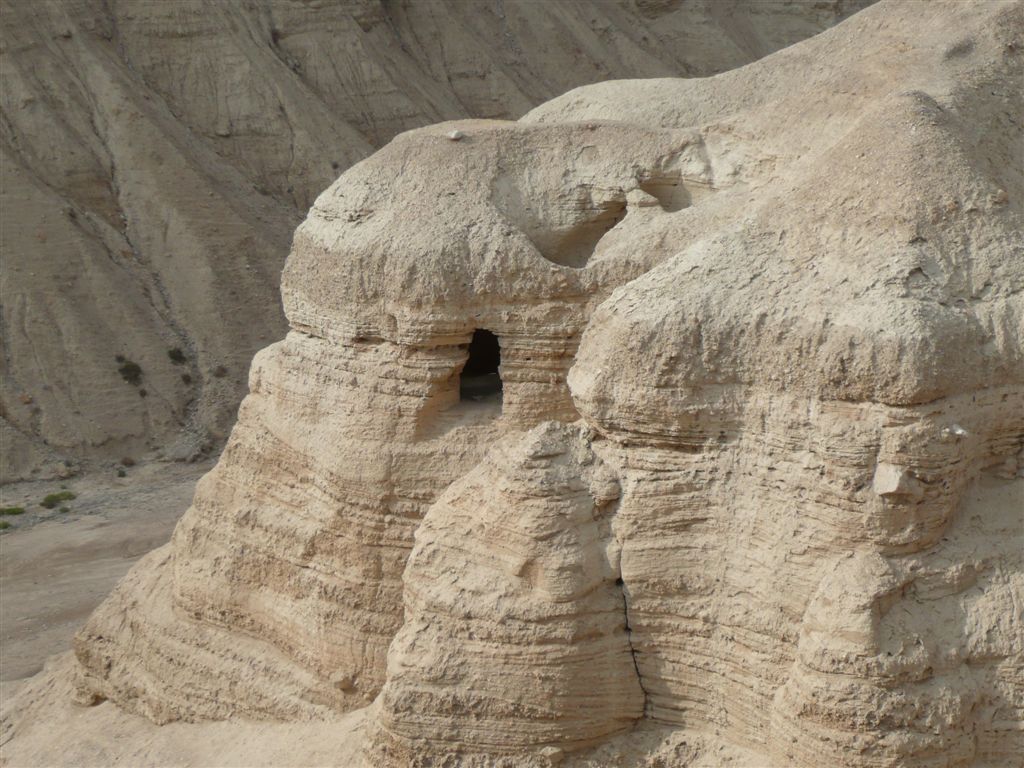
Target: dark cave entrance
x: 480, y: 379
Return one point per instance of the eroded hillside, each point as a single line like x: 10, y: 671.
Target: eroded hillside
x: 158, y: 156
x: 750, y: 489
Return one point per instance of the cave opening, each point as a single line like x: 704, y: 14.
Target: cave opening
x: 480, y: 379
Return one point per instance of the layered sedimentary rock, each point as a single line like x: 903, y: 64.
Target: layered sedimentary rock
x: 358, y: 411
x: 752, y: 490
x: 817, y: 414
x: 156, y: 157
x: 515, y: 630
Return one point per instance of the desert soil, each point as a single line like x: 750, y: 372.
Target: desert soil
x: 55, y: 567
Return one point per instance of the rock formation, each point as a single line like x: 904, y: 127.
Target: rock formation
x: 515, y: 630
x: 156, y: 157
x: 751, y: 491
x: 359, y: 409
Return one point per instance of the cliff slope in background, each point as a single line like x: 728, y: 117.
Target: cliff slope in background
x: 156, y: 158
x: 750, y: 495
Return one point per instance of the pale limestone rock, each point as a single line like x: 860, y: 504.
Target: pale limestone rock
x: 892, y: 481
x: 358, y: 409
x: 783, y: 406
x: 516, y: 640
x: 156, y: 157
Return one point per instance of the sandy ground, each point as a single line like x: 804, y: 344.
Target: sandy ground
x: 55, y: 567
x: 104, y: 736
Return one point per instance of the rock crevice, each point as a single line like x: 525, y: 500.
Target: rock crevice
x: 752, y: 489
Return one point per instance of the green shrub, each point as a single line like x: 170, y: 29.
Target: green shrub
x: 121, y: 473
x: 130, y: 372
x: 65, y: 509
x: 54, y: 499
x: 4, y: 524
x: 12, y: 511
x: 177, y: 356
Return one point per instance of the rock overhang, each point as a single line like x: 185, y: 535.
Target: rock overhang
x: 450, y: 231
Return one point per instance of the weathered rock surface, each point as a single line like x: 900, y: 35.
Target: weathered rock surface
x: 515, y: 626
x: 514, y: 611
x: 156, y: 157
x: 359, y: 409
x: 752, y: 493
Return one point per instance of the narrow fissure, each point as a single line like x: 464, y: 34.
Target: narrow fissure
x: 629, y: 641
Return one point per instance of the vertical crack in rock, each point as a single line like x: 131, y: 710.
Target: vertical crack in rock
x: 513, y: 627
x: 358, y: 411
x: 775, y: 394
x: 629, y: 641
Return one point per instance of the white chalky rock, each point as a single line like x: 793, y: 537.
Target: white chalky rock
x: 894, y: 481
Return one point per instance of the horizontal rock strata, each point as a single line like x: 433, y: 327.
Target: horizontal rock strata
x: 358, y: 411
x: 515, y: 639
x: 157, y: 156
x: 751, y: 490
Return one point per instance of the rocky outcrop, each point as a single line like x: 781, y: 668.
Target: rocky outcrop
x: 359, y: 409
x: 751, y: 491
x: 157, y: 156
x: 516, y: 634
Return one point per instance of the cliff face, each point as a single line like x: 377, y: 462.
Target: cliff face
x: 515, y: 633
x: 355, y: 423
x: 157, y: 157
x: 751, y: 491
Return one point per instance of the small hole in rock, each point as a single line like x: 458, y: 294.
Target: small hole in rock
x: 480, y: 378
x: 669, y: 191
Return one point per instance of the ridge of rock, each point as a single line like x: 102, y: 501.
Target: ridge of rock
x: 760, y: 454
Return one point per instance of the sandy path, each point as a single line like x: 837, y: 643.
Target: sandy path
x: 56, y: 567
